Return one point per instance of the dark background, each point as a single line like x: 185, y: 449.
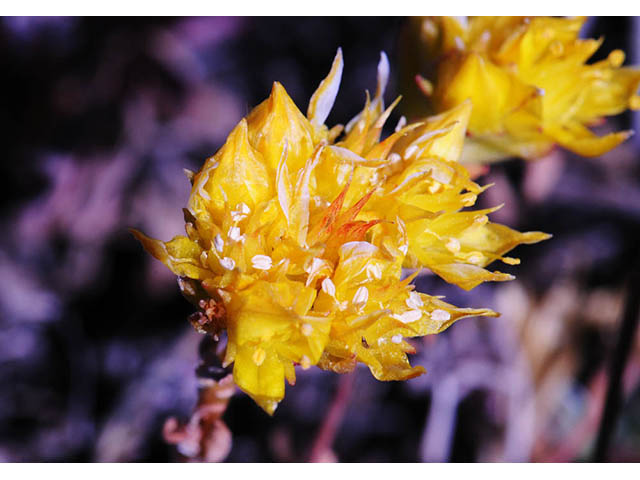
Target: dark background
x: 100, y: 115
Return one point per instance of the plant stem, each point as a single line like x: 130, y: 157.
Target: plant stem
x: 321, y: 449
x: 626, y: 336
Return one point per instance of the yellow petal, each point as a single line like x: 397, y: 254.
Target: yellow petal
x: 531, y: 83
x: 582, y: 141
x: 323, y: 98
x: 265, y: 382
x: 277, y: 122
x: 235, y: 175
x: 180, y: 254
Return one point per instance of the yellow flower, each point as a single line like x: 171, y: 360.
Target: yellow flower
x: 296, y: 242
x: 529, y: 82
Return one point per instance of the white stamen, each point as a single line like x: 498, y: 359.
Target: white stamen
x: 258, y: 356
x: 394, y: 158
x: 414, y: 300
x: 218, y: 243
x: 440, y: 315
x: 396, y: 338
x: 261, y: 262
x: 228, y: 263
x: 320, y: 202
x: 429, y: 28
x: 241, y: 212
x: 361, y: 296
x: 382, y: 341
x: 404, y: 249
x: 475, y: 258
x: 224, y: 295
x: 434, y: 187
x: 468, y: 199
x: 481, y: 219
x: 453, y: 245
x: 459, y: 43
x: 234, y: 234
x: 328, y: 287
x: 409, y: 151
x: 401, y: 123
x: 305, y: 362
x: 409, y: 316
x: 306, y: 329
x: 237, y: 216
x: 189, y: 174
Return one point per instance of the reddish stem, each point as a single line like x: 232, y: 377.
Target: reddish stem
x: 321, y: 450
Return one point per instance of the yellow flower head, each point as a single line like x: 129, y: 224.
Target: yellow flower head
x: 529, y: 82
x: 296, y: 241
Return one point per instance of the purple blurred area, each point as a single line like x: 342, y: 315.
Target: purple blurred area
x: 100, y: 116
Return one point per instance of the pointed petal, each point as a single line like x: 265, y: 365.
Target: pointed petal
x: 181, y: 255
x: 278, y: 121
x: 383, y: 77
x: 323, y: 98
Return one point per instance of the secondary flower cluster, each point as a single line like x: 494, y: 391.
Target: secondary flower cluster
x: 297, y: 235
x: 529, y: 81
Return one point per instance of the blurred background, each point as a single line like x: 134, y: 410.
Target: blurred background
x: 100, y: 115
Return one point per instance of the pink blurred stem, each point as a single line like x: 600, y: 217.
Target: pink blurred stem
x: 321, y: 450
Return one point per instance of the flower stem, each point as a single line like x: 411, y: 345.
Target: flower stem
x: 205, y: 437
x: 626, y: 337
x: 321, y: 450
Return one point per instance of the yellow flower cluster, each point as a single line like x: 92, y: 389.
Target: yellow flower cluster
x: 297, y: 235
x: 529, y: 82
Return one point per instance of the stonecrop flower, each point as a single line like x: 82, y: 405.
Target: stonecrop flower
x: 529, y: 82
x: 297, y: 235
